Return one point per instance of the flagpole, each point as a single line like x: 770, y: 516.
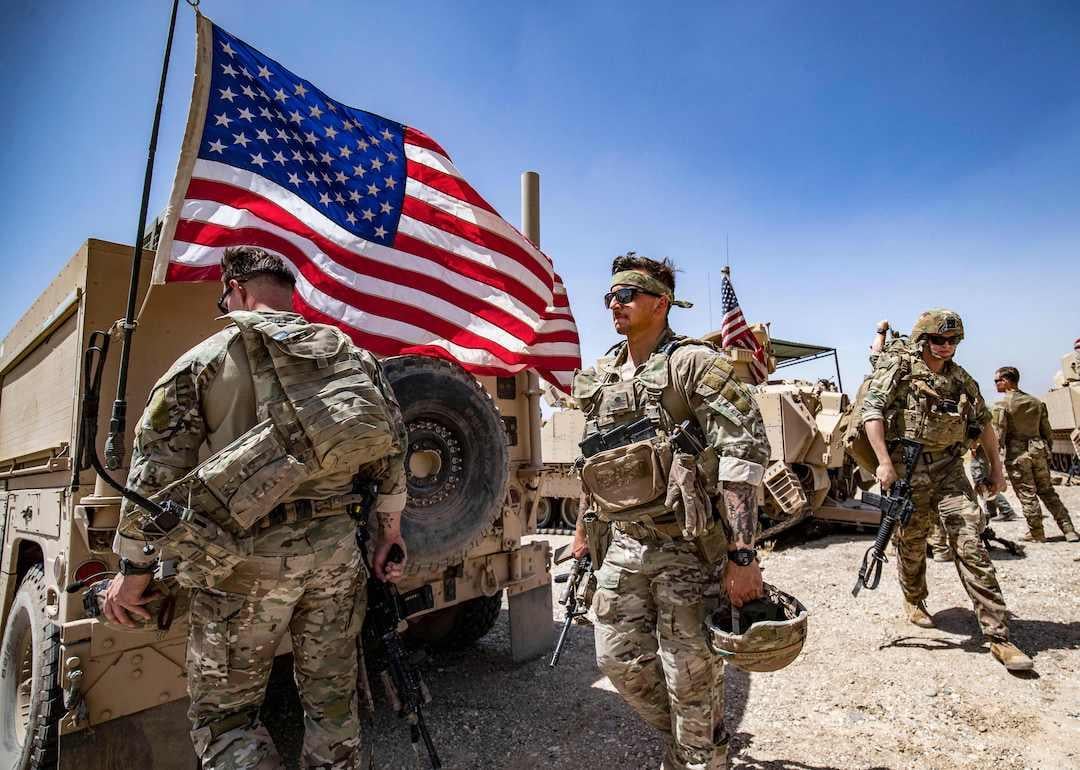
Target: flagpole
x: 114, y: 444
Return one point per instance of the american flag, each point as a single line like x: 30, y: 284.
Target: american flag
x: 735, y: 332
x: 387, y: 240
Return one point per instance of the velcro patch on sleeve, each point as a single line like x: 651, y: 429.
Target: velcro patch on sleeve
x: 714, y: 379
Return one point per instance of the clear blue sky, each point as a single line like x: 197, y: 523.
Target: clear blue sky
x: 865, y: 161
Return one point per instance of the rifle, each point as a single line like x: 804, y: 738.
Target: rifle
x: 569, y: 599
x: 621, y: 435
x: 988, y: 535
x: 405, y: 688
x: 896, y: 508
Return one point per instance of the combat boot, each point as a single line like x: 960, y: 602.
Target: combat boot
x: 1010, y: 656
x: 918, y: 614
x: 1071, y: 536
x: 942, y: 556
x: 1034, y: 537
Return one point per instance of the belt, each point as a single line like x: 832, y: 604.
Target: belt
x: 303, y: 510
x: 933, y: 458
x: 666, y: 528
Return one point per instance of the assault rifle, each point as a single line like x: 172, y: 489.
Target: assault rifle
x: 620, y: 435
x: 405, y: 688
x: 896, y: 508
x: 582, y: 569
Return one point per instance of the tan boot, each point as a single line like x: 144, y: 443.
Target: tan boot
x: 1010, y: 656
x: 1034, y: 537
x: 1071, y: 536
x: 942, y: 556
x: 918, y: 614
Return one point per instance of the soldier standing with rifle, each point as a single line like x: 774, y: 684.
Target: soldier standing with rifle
x: 921, y: 393
x: 302, y: 573
x: 643, y: 402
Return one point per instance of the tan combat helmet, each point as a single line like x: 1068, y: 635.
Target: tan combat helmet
x: 763, y: 635
x: 937, y: 321
x: 170, y: 602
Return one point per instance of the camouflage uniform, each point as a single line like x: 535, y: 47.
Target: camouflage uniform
x: 913, y: 401
x: 1023, y: 427
x: 996, y: 506
x: 304, y: 577
x: 655, y: 585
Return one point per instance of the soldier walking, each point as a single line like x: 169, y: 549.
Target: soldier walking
x: 669, y: 542
x: 1023, y: 427
x: 304, y: 576
x: 920, y: 392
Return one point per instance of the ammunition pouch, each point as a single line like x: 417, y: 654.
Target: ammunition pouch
x: 628, y: 483
x: 934, y: 429
x: 208, y: 554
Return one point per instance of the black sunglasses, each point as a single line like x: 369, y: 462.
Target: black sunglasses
x: 225, y: 294
x: 939, y: 339
x: 625, y: 295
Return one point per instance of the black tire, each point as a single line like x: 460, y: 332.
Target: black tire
x: 462, y: 625
x: 569, y: 512
x: 31, y: 700
x: 545, y: 512
x: 453, y: 421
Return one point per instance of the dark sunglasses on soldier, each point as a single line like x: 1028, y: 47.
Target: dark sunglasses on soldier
x: 625, y: 295
x: 939, y: 339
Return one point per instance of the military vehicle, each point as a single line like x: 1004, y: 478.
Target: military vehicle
x: 71, y: 687
x: 808, y: 474
x: 1063, y: 405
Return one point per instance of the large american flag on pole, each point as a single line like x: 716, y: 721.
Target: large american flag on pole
x: 387, y: 240
x: 736, y: 333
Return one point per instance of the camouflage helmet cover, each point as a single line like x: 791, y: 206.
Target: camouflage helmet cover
x: 763, y: 635
x: 937, y: 321
x: 170, y: 602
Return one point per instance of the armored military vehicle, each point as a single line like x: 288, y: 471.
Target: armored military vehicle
x: 1063, y: 405
x: 808, y: 472
x: 72, y: 688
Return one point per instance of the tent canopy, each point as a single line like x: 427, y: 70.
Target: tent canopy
x: 788, y: 353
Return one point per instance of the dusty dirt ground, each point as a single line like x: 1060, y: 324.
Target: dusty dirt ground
x: 869, y: 690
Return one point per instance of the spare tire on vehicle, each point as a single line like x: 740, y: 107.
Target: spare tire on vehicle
x: 457, y: 462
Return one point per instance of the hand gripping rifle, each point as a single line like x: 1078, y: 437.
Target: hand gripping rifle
x: 582, y: 569
x: 405, y: 688
x: 896, y: 508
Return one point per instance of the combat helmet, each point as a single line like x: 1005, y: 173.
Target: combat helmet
x: 763, y: 635
x: 937, y: 321
x: 170, y: 601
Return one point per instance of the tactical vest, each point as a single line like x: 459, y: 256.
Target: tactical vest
x: 628, y: 483
x: 933, y: 409
x: 319, y: 413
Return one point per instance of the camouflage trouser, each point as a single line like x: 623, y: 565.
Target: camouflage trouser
x: 943, y: 493
x: 318, y: 599
x: 995, y: 506
x: 651, y: 600
x: 1030, y: 477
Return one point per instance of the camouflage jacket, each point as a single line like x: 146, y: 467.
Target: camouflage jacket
x: 695, y: 382
x: 936, y: 409
x: 1018, y: 418
x: 206, y: 400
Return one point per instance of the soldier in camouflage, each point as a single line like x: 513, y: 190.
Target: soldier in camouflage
x: 1023, y: 427
x: 305, y: 575
x: 923, y: 394
x: 683, y: 526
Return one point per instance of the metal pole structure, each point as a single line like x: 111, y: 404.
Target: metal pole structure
x: 836, y: 361
x: 114, y: 444
x: 530, y: 226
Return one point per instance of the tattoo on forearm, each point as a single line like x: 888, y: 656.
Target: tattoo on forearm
x: 740, y: 499
x: 387, y: 520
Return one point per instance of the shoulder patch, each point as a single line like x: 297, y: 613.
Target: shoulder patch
x: 157, y: 411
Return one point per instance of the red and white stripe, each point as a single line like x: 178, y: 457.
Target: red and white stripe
x: 459, y: 282
x: 735, y: 332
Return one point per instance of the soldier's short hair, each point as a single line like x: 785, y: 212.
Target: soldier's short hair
x: 663, y: 271
x: 1010, y: 373
x: 242, y: 262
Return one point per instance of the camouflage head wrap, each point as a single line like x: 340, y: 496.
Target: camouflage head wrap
x: 646, y: 282
x: 937, y: 321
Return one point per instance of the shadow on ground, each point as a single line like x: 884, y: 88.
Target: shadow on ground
x: 488, y: 712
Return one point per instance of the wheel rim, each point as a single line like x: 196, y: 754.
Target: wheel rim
x: 543, y: 512
x: 569, y: 512
x: 24, y: 685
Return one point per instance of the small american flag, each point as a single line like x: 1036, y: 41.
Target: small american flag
x: 386, y: 238
x: 735, y: 332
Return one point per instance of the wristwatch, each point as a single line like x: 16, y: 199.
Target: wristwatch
x: 744, y: 557
x: 128, y: 567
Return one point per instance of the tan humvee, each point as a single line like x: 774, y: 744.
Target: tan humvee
x: 102, y: 698
x: 808, y: 473
x: 1063, y: 405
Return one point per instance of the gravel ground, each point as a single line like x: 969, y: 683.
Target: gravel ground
x: 869, y: 690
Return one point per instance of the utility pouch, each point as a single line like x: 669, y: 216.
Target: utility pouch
x: 1036, y: 446
x: 935, y: 430
x: 208, y: 554
x: 626, y: 478
x: 598, y: 536
x: 712, y: 546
